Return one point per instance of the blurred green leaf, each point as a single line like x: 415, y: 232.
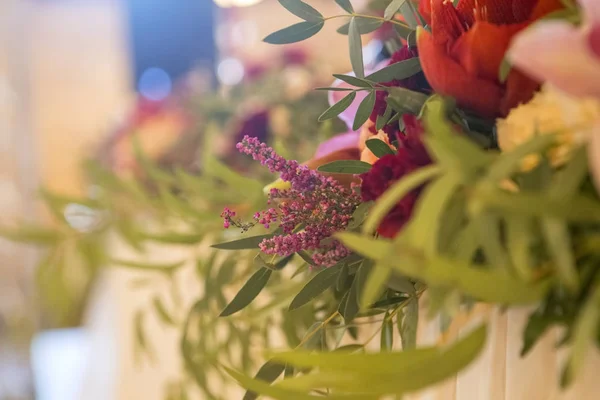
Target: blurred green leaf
x: 346, y: 167
x: 268, y: 372
x: 302, y: 10
x: 364, y: 110
x: 246, y: 243
x: 376, y: 374
x: 383, y: 120
x: 375, y: 284
x: 397, y: 71
x: 408, y: 321
x: 338, y: 107
x: 322, y: 281
x: 559, y: 246
x: 161, y: 311
x: 356, y: 51
x: 585, y: 332
x: 295, y: 33
x: 167, y: 268
x: 354, y: 81
x: 406, y: 101
x: 174, y: 237
x: 364, y: 26
x: 248, y: 292
x: 387, y: 333
x: 346, y: 5
x: 360, y: 214
x: 31, y: 234
x: 392, y: 9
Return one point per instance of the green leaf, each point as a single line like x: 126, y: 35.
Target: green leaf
x: 31, y: 234
x: 374, y: 285
x: 379, y: 148
x: 295, y: 33
x: 356, y: 51
x: 397, y: 71
x: 317, y: 285
x: 558, y: 240
x: 537, y: 325
x: 365, y: 25
x: 302, y: 10
x: 354, y: 81
x: 243, y: 244
x: 360, y: 214
x: 408, y: 12
x: 364, y: 110
x: 385, y: 372
x: 519, y: 239
x: 387, y: 333
x: 383, y: 120
x: 269, y: 371
x: 346, y: 167
x: 492, y: 285
x: 248, y: 292
x: 346, y: 5
x: 395, y: 193
x: 392, y: 9
x: 334, y: 89
x: 585, y: 332
x: 174, y: 237
x: 408, y: 321
x: 342, y: 279
x: 168, y: 268
x: 338, y: 107
x: 406, y: 101
x: 404, y: 31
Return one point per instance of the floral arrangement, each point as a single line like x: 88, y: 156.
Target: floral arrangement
x: 467, y: 173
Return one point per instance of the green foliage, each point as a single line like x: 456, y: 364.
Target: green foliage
x: 248, y: 292
x: 295, y: 33
x: 346, y: 167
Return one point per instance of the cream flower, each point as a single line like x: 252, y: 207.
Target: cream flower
x: 550, y: 111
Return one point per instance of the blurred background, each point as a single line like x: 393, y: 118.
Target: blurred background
x: 75, y: 77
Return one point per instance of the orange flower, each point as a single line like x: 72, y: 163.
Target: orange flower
x: 462, y: 55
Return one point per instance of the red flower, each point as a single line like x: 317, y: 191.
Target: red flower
x: 389, y: 169
x: 462, y: 55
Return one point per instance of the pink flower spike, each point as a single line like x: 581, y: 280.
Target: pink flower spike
x: 560, y: 54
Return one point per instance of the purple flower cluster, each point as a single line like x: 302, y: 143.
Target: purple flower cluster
x: 312, y: 210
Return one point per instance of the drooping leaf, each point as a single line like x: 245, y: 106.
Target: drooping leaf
x: 374, y: 285
x: 408, y: 13
x: 295, y: 33
x: 406, y: 101
x: 392, y: 9
x: 397, y: 71
x: 31, y: 234
x: 408, y: 322
x: 346, y: 167
x: 558, y: 239
x: 356, y: 51
x: 378, y: 147
x: 346, y: 5
x: 364, y: 26
x: 243, y: 244
x: 385, y: 372
x: 364, y: 110
x: 338, y: 107
x: 360, y: 214
x: 161, y: 311
x: 354, y: 81
x: 585, y: 332
x: 268, y: 372
x: 383, y: 120
x: 317, y: 285
x: 387, y: 333
x: 167, y: 268
x: 173, y: 237
x: 248, y: 292
x: 302, y: 10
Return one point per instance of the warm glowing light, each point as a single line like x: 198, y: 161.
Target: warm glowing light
x: 236, y: 3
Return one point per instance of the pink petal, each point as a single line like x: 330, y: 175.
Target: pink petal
x: 339, y: 142
x: 594, y: 156
x: 591, y: 10
x: 560, y: 54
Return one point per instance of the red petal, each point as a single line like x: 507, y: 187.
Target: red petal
x: 519, y: 89
x: 481, y: 50
x: 448, y: 77
x: 496, y: 11
x: 447, y: 24
x: 425, y: 10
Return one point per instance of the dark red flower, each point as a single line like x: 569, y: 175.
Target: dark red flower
x: 256, y: 125
x: 390, y: 168
x: 416, y: 82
